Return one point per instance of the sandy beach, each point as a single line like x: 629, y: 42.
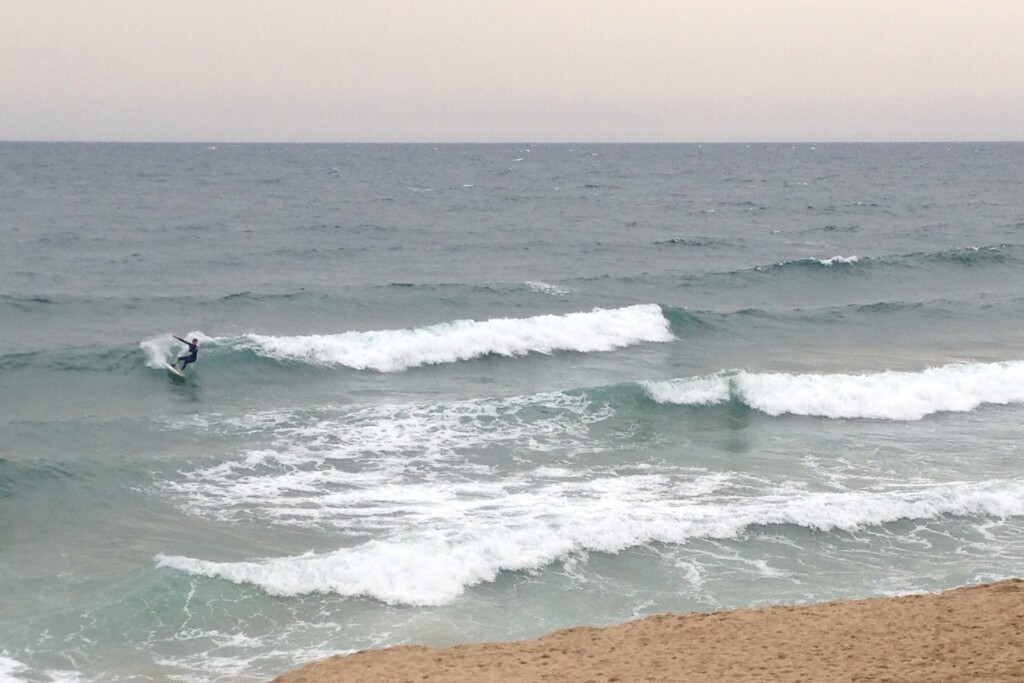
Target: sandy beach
x: 974, y: 633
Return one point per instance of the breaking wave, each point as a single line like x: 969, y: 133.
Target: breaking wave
x: 396, y: 350
x: 889, y: 395
x: 434, y: 566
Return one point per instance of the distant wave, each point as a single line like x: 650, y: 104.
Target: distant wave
x: 533, y: 530
x: 270, y: 296
x: 964, y: 256
x: 838, y: 260
x: 546, y: 288
x: 700, y: 241
x: 827, y: 266
x: 828, y: 315
x: 812, y: 262
x: 27, y: 302
x: 536, y: 286
x: 738, y: 320
x: 971, y: 256
x: 396, y: 350
x: 38, y: 302
x: 887, y: 395
x: 832, y: 227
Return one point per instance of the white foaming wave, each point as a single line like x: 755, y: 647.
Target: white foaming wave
x: 450, y: 536
x: 434, y: 563
x: 890, y: 395
x: 838, y: 260
x: 161, y: 349
x: 396, y: 350
x: 691, y: 391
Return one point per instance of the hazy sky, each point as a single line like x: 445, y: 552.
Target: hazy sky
x: 511, y: 70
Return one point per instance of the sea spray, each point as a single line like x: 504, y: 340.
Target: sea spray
x: 163, y: 348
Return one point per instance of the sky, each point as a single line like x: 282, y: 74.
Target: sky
x: 512, y: 70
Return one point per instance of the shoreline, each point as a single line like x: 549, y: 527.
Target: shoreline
x: 973, y: 633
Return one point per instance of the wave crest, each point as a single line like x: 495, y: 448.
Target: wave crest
x: 890, y: 395
x: 396, y: 350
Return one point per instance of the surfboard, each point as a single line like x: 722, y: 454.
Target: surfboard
x: 174, y: 371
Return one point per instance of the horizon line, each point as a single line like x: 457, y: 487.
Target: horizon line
x: 509, y: 142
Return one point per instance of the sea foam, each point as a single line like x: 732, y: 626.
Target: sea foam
x: 9, y: 667
x: 434, y: 565
x: 294, y: 479
x: 13, y: 671
x: 889, y: 395
x: 396, y: 350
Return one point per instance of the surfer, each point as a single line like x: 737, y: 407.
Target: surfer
x: 193, y: 351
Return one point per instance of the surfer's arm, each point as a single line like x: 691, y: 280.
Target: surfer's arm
x: 179, y: 339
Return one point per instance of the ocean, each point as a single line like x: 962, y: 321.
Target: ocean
x: 466, y: 393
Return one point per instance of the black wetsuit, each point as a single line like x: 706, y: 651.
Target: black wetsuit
x: 190, y: 357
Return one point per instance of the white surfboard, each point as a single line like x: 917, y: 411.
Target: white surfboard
x: 174, y: 371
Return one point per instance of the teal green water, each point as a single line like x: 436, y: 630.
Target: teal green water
x: 465, y: 393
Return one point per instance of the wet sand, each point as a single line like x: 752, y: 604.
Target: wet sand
x: 968, y: 634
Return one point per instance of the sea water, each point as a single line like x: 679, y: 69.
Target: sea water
x: 465, y: 393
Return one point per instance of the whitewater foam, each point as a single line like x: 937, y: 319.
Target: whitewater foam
x: 298, y: 477
x: 890, y: 395
x: 396, y: 350
x: 434, y: 562
x: 13, y: 671
x: 9, y: 667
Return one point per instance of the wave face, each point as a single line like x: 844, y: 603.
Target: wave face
x: 995, y: 255
x: 890, y: 395
x: 812, y: 263
x: 537, y: 527
x: 396, y: 350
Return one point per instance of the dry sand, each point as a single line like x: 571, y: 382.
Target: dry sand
x: 968, y: 634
